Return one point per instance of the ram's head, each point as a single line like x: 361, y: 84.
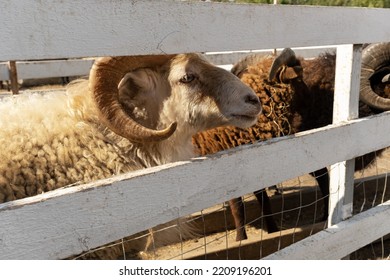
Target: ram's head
x: 146, y: 98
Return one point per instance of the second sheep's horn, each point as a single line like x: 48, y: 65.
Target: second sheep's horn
x: 375, y: 58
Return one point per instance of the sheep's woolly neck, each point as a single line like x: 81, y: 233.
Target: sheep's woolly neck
x: 54, y: 140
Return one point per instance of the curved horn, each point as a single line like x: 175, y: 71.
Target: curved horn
x: 105, y: 76
x: 243, y: 64
x: 286, y: 57
x: 374, y: 57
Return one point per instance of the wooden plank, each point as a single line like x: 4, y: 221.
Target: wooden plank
x: 347, y: 83
x: 100, y: 212
x: 223, y: 58
x: 341, y: 239
x: 345, y: 107
x: 53, y: 68
x: 49, y: 68
x: 79, y: 67
x: 56, y: 29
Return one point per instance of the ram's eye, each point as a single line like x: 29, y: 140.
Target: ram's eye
x: 187, y: 78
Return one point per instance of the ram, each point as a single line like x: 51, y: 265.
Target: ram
x: 297, y: 95
x: 134, y: 112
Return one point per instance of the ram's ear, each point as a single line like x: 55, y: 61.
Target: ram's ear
x: 141, y: 94
x: 141, y: 80
x: 127, y: 86
x: 290, y: 73
x: 138, y: 79
x: 285, y: 59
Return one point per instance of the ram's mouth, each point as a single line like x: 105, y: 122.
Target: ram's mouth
x: 243, y: 121
x: 245, y: 117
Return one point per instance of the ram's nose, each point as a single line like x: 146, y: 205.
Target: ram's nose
x: 252, y: 99
x: 252, y: 103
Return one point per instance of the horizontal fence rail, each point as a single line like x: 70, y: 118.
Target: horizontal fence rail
x: 48, y: 68
x: 56, y: 29
x: 79, y: 67
x: 100, y: 212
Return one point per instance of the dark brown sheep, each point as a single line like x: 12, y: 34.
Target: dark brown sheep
x: 297, y: 95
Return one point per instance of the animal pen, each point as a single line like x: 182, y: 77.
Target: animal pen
x: 72, y: 221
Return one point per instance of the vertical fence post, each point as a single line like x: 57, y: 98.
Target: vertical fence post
x: 274, y: 51
x: 13, y: 76
x: 346, y: 107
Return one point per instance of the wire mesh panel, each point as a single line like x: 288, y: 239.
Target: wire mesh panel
x: 214, y: 233
x: 297, y: 207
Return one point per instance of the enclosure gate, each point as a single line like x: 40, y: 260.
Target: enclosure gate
x: 101, y: 28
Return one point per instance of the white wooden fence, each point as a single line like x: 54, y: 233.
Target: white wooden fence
x: 100, y: 212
